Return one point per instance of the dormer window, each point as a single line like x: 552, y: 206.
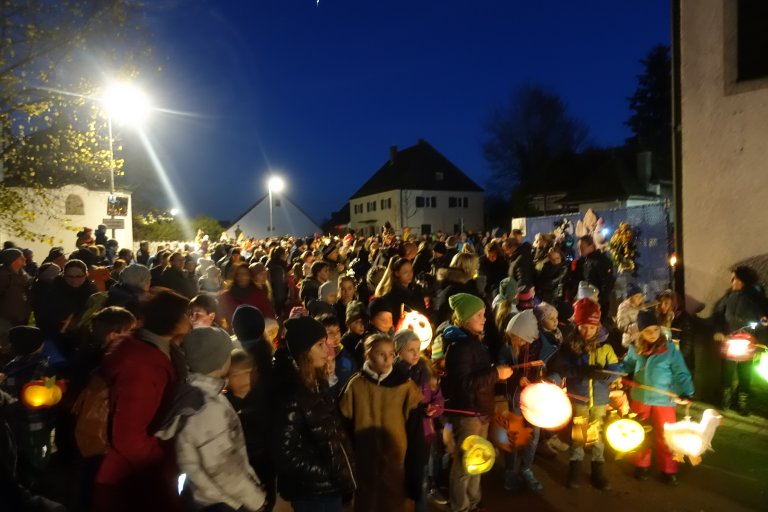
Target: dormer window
x: 438, y: 175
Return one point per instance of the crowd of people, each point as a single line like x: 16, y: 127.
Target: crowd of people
x: 216, y: 376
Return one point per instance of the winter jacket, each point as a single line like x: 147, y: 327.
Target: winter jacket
x: 737, y: 309
x: 597, y: 269
x: 433, y: 396
x: 664, y: 369
x: 470, y: 375
x: 494, y: 272
x: 279, y: 280
x: 310, y: 448
x: 626, y: 321
x: 575, y: 368
x: 176, y: 280
x: 308, y: 289
x: 210, y: 450
x: 551, y: 281
x: 542, y: 349
x: 14, y: 305
x: 450, y: 282
x: 521, y: 265
x: 400, y: 296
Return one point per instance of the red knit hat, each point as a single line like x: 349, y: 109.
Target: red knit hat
x: 586, y: 312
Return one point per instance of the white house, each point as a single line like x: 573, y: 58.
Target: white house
x: 287, y: 218
x: 73, y: 208
x: 724, y: 105
x: 420, y: 189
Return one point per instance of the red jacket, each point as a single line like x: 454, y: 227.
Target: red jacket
x: 139, y: 470
x: 228, y: 302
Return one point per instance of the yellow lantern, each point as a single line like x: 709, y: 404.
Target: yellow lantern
x: 625, y: 435
x: 546, y: 405
x: 479, y: 455
x: 420, y: 325
x: 41, y: 394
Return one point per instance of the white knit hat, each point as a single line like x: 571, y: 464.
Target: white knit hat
x: 524, y: 325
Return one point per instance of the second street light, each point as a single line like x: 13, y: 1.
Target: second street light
x: 274, y: 184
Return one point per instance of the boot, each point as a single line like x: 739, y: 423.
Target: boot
x: 574, y: 474
x: 725, y: 401
x: 598, y: 479
x: 742, y: 404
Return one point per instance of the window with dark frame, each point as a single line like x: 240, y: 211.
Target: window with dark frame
x: 419, y: 202
x: 451, y: 202
x: 752, y: 39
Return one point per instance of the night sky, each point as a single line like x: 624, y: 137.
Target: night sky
x: 319, y: 92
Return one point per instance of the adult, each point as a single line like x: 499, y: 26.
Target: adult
x: 520, y: 257
x: 139, y: 470
x: 458, y: 278
x: 596, y: 268
x: 14, y: 304
x: 493, y: 267
x: 241, y: 290
x: 397, y: 288
x: 173, y: 277
x: 550, y: 281
x: 142, y: 255
x: 277, y: 264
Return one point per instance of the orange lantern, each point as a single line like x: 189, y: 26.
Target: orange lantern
x: 546, y: 405
x: 739, y: 347
x: 43, y: 393
x: 420, y: 325
x: 508, y: 432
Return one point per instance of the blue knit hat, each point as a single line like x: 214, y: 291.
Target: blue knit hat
x: 646, y: 318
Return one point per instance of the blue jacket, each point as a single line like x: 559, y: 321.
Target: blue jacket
x: 663, y: 369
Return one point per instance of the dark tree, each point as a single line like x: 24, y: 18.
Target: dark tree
x: 528, y: 136
x: 651, y: 106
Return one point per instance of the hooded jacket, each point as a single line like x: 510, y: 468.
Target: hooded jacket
x: 470, y: 375
x: 664, y: 368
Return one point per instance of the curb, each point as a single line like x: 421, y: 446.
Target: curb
x: 751, y: 424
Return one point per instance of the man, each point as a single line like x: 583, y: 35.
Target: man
x: 520, y: 256
x: 14, y: 306
x: 173, y: 277
x: 142, y: 255
x: 594, y: 267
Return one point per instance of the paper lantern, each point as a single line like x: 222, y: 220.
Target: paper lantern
x: 43, y: 393
x: 545, y: 405
x: 625, y: 435
x: 508, y: 432
x: 762, y: 367
x: 420, y: 325
x: 479, y: 455
x: 739, y: 347
x: 691, y: 439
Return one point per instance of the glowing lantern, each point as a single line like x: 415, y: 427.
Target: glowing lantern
x: 508, y: 432
x: 545, y: 405
x: 420, y: 325
x: 41, y: 394
x: 739, y: 347
x: 479, y: 455
x: 625, y: 435
x: 691, y: 439
x: 762, y: 367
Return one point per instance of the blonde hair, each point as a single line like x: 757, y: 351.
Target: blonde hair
x: 387, y: 280
x: 468, y: 262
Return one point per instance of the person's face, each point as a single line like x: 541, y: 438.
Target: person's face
x: 381, y: 357
x: 636, y: 300
x: 492, y: 256
x: 357, y: 327
x: 382, y: 321
x: 177, y: 262
x: 239, y: 379
x: 476, y: 323
x: 18, y: 263
x: 243, y: 277
x: 322, y: 276
x: 75, y: 277
x: 347, y: 291
x: 588, y: 331
x: 200, y: 317
x: 60, y: 261
x: 318, y: 354
x: 585, y: 249
x: 331, y: 298
x: 651, y: 334
x: 736, y: 283
x: 333, y: 333
x: 665, y: 305
x: 405, y: 275
x: 549, y: 323
x: 260, y: 276
x: 554, y: 258
x: 411, y: 352
x: 235, y: 257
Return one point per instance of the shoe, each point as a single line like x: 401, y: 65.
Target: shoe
x: 641, y: 473
x: 742, y: 404
x: 574, y: 474
x: 437, y: 497
x: 598, y: 479
x: 669, y: 479
x: 555, y: 443
x: 512, y: 482
x: 531, y: 481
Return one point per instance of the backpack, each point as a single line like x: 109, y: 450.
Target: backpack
x: 91, y: 410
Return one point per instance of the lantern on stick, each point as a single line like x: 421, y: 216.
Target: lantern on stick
x: 479, y: 455
x: 508, y: 432
x: 739, y: 346
x: 691, y: 439
x: 43, y: 393
x: 420, y: 325
x: 625, y: 435
x: 545, y: 405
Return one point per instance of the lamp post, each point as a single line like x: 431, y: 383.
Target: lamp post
x: 274, y: 184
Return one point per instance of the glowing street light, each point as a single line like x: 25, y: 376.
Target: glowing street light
x: 174, y: 212
x: 274, y: 184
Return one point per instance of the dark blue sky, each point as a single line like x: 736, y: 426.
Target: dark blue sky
x: 320, y: 92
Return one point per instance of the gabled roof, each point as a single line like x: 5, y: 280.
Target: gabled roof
x: 419, y: 167
x: 287, y: 218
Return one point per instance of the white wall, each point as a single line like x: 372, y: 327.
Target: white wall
x: 725, y: 154
x: 94, y: 209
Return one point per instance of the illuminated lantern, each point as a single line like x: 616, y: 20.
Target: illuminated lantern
x: 739, y: 347
x: 508, y: 432
x: 420, y: 325
x: 625, y: 435
x: 545, y: 405
x: 691, y: 439
x: 41, y: 394
x: 762, y: 367
x: 479, y: 455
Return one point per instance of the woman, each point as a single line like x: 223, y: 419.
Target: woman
x: 242, y: 290
x: 550, y: 279
x: 460, y: 277
x: 311, y: 449
x: 260, y: 276
x: 277, y: 264
x: 347, y: 290
x: 396, y: 287
x: 493, y: 267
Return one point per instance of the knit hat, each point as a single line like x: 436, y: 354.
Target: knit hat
x: 8, y: 256
x: 328, y: 249
x: 301, y: 333
x: 356, y: 310
x: 247, y: 322
x: 646, y: 318
x: 587, y: 291
x: 525, y: 295
x: 402, y: 338
x: 508, y: 289
x: 465, y: 305
x: 524, y: 325
x: 586, y: 312
x: 545, y: 310
x: 25, y: 339
x: 633, y: 289
x: 206, y: 349
x: 439, y: 248
x: 379, y: 305
x: 326, y: 289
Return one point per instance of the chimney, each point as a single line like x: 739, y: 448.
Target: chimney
x: 392, y: 154
x: 644, y: 169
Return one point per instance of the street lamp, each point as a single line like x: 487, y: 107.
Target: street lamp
x: 274, y: 184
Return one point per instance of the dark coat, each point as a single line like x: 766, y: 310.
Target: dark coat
x: 279, y: 279
x: 597, y: 269
x: 400, y: 296
x: 470, y: 375
x: 521, y: 266
x: 551, y: 281
x: 14, y: 306
x: 494, y: 272
x: 176, y: 280
x: 450, y: 282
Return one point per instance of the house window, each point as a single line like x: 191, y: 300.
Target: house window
x: 752, y: 39
x: 419, y: 202
x: 73, y: 205
x: 466, y: 202
x: 434, y: 202
x: 451, y: 202
x: 389, y: 203
x: 426, y: 202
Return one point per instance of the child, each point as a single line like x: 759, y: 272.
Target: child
x: 582, y: 360
x: 203, y: 311
x: 333, y: 341
x: 626, y: 316
x: 419, y: 369
x: 210, y: 445
x: 656, y: 362
x: 382, y: 405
